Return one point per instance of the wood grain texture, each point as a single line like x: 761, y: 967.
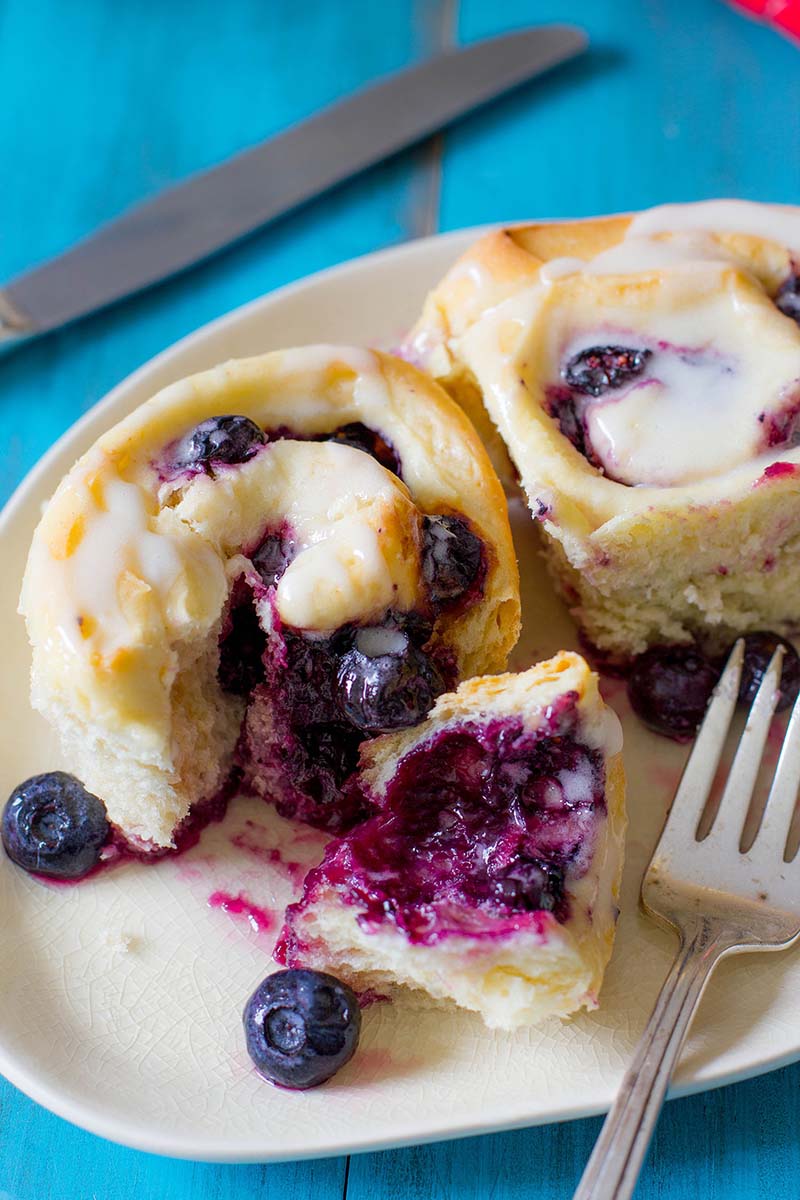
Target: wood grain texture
x: 103, y: 104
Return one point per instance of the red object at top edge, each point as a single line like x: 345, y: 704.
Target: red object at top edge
x: 783, y: 14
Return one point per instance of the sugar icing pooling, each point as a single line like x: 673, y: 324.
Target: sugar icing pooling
x: 355, y: 530
x: 712, y: 395
x: 684, y: 289
x: 675, y: 409
x: 481, y: 823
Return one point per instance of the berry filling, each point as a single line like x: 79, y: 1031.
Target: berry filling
x: 385, y: 682
x: 317, y: 698
x: 588, y: 375
x: 788, y: 297
x: 601, y: 369
x: 568, y: 410
x: 758, y: 650
x: 273, y: 556
x: 781, y: 427
x: 452, y: 559
x: 360, y: 437
x: 479, y: 826
x: 219, y: 440
x: 669, y: 686
x: 232, y: 439
x: 311, y: 699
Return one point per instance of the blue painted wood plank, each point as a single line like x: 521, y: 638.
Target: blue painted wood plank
x: 43, y: 1158
x: 676, y: 100
x: 737, y: 1143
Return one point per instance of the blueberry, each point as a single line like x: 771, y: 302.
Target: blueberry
x: 452, y: 556
x: 669, y: 688
x: 529, y: 885
x: 758, y: 650
x: 53, y: 826
x: 301, y: 1026
x: 361, y: 437
x: 788, y: 297
x: 228, y: 439
x: 418, y: 628
x: 273, y: 556
x: 385, y: 682
x: 600, y: 369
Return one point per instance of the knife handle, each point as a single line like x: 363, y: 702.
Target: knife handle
x: 15, y: 326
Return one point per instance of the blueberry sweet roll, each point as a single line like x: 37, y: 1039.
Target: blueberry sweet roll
x: 259, y: 568
x: 644, y: 375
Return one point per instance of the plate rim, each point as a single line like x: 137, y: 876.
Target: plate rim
x: 226, y: 1150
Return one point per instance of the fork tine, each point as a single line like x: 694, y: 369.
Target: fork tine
x: 782, y: 797
x: 701, y: 766
x: 735, y: 803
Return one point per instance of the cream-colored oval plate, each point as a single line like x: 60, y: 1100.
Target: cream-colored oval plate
x: 120, y: 999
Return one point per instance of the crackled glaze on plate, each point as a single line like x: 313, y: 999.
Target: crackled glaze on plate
x: 120, y: 999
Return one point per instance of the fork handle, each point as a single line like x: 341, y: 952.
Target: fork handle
x: 613, y: 1169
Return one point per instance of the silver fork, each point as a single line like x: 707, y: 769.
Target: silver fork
x: 718, y: 899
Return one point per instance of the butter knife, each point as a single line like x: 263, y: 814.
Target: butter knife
x: 194, y: 219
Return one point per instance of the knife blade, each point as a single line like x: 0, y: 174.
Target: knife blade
x: 194, y: 219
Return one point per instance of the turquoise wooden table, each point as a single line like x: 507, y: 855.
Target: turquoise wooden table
x: 105, y: 103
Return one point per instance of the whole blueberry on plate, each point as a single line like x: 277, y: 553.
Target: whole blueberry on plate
x: 758, y: 650
x: 301, y: 1026
x: 53, y: 826
x: 385, y: 681
x: 669, y: 688
x: 451, y: 557
x: 225, y: 439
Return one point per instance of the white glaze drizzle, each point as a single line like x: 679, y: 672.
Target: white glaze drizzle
x: 677, y: 236
x: 352, y: 522
x: 118, y: 542
x: 695, y: 410
x: 773, y: 222
x: 349, y: 517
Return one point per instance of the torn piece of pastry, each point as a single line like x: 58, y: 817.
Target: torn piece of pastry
x: 490, y: 874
